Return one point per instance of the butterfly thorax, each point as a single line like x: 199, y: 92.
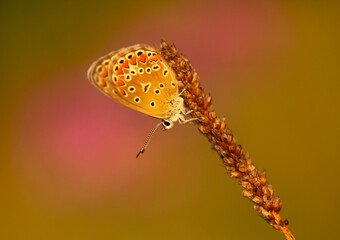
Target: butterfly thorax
x: 177, y: 109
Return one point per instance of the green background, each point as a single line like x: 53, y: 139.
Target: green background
x: 68, y: 167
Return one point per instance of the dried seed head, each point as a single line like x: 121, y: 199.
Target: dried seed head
x: 223, y: 125
x: 217, y: 123
x: 212, y: 115
x: 231, y: 148
x: 263, y: 178
x: 229, y: 161
x: 265, y: 198
x: 208, y: 99
x: 265, y: 191
x: 254, y: 173
x: 268, y: 205
x: 251, y: 167
x: 241, y: 167
x: 235, y: 160
x: 266, y: 214
x: 235, y: 174
x: 247, y: 194
x: 229, y: 168
x: 238, y: 150
x: 246, y: 185
x: 257, y: 200
x: 203, y: 129
x: 277, y: 205
x: 245, y: 177
x: 271, y: 191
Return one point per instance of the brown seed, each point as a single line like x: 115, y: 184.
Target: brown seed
x: 254, y: 173
x: 271, y: 191
x: 229, y: 161
x: 247, y: 194
x: 266, y: 214
x: 277, y: 204
x: 257, y: 200
x: 242, y: 167
x: 247, y: 185
x: 268, y: 205
x: 263, y: 178
x: 235, y: 174
x: 217, y: 123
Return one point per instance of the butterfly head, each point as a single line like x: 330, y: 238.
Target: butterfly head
x: 167, y: 124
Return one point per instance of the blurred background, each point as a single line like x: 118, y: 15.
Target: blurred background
x: 68, y: 168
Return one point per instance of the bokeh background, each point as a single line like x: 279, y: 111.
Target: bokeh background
x: 68, y: 167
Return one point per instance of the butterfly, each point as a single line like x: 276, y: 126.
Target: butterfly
x: 139, y: 78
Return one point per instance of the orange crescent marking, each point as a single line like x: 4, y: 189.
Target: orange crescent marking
x: 153, y: 58
x: 133, y: 60
x: 120, y: 71
x: 102, y: 83
x: 104, y: 73
x: 122, y: 92
x: 142, y: 57
x: 125, y: 64
x: 120, y: 82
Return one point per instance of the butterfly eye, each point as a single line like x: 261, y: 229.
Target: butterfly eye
x: 149, y: 54
x: 148, y: 70
x: 141, y: 70
x: 173, y: 84
x: 137, y: 99
x: 167, y: 124
x: 106, y: 62
x: 161, y: 85
x: 129, y: 56
x: 157, y: 91
x: 133, y: 72
x: 139, y: 53
x: 152, y: 104
x: 132, y: 89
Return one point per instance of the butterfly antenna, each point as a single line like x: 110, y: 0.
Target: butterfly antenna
x: 148, y: 139
x: 185, y: 87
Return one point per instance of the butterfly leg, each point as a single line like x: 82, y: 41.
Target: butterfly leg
x: 188, y: 112
x: 188, y: 120
x: 182, y: 120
